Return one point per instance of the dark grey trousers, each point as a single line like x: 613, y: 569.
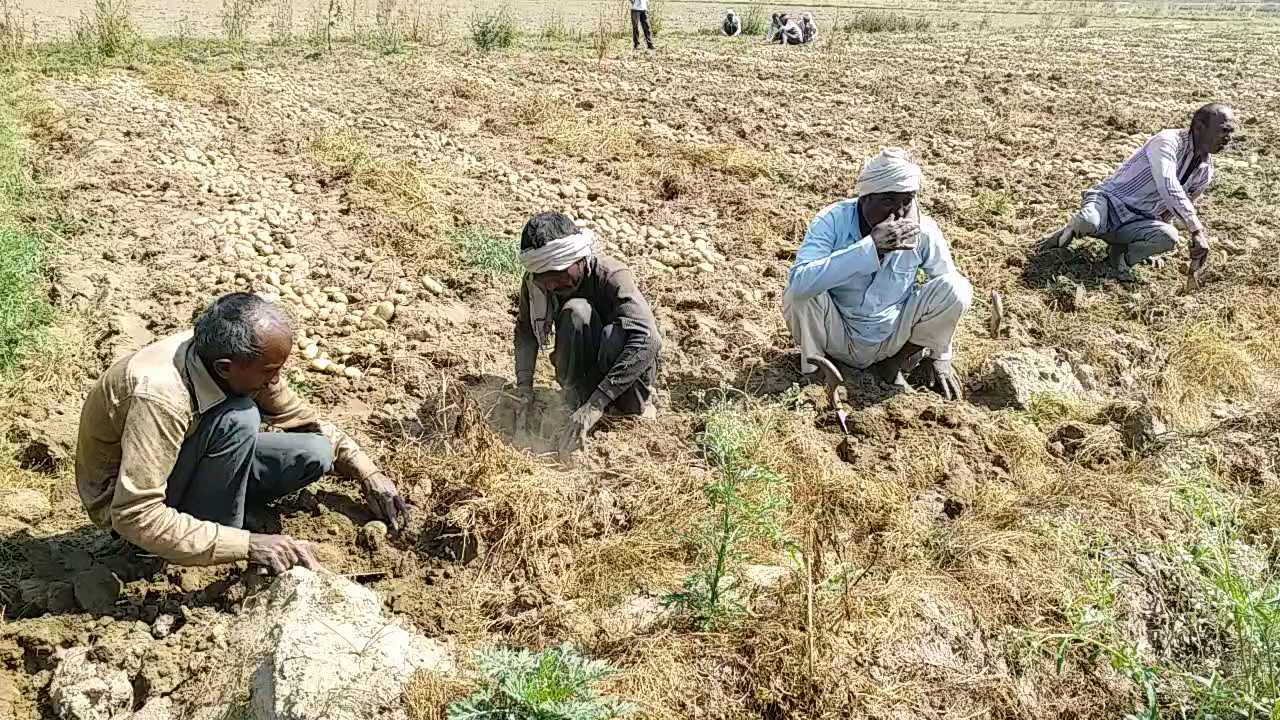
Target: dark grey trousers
x: 586, y: 350
x: 228, y: 465
x: 640, y: 19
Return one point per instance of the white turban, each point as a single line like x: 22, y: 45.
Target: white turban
x: 890, y: 171
x: 555, y: 256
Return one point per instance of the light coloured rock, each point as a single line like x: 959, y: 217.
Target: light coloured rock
x: 333, y: 653
x: 156, y: 709
x: 1014, y: 378
x: 320, y: 364
x: 765, y: 577
x: 353, y: 373
x: 432, y: 285
x: 83, y: 689
x: 385, y: 310
x: 24, y: 504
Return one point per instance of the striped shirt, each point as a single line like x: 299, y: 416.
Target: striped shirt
x: 1160, y: 181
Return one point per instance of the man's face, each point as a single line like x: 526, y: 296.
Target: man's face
x: 1215, y: 134
x: 878, y: 207
x: 246, y: 377
x: 560, y: 281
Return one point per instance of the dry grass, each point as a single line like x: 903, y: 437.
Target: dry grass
x: 427, y: 694
x: 1203, y: 368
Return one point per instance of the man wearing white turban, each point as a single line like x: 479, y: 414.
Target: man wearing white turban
x: 606, y: 338
x: 852, y: 294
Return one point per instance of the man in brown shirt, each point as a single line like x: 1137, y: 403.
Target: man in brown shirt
x: 606, y: 338
x: 170, y: 452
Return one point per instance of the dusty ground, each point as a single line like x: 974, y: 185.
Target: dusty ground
x: 346, y: 178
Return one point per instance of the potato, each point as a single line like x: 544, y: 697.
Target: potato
x: 320, y: 364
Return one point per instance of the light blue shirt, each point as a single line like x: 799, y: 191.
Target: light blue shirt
x: 869, y: 291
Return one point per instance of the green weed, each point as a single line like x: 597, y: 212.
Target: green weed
x: 756, y: 20
x: 108, y: 30
x: 746, y: 507
x: 879, y: 21
x: 555, y: 684
x: 487, y: 252
x: 1228, y: 607
x: 237, y: 18
x: 493, y: 30
x: 24, y: 311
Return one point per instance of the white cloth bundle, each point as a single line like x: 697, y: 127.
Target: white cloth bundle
x: 555, y: 256
x: 890, y: 171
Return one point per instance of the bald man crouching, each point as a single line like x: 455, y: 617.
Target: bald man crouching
x: 1132, y: 210
x: 171, y: 454
x: 852, y: 294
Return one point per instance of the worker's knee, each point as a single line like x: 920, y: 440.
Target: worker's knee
x: 576, y: 314
x: 952, y: 289
x: 1163, y: 238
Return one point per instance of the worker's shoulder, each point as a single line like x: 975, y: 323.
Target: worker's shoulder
x: 838, y: 211
x: 155, y: 371
x: 930, y: 227
x: 607, y: 265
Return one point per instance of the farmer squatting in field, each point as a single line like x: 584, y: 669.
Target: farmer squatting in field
x: 170, y: 453
x: 1131, y: 210
x: 732, y: 25
x: 852, y: 294
x: 606, y: 337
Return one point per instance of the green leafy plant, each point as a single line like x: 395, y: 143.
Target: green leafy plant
x: 493, y: 30
x: 756, y: 20
x: 555, y: 684
x: 24, y: 311
x: 878, y: 21
x: 237, y: 18
x: 107, y: 30
x: 745, y: 508
x: 1233, y: 603
x: 487, y: 252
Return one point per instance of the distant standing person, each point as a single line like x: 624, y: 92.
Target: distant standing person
x: 640, y: 19
x: 732, y: 25
x: 1132, y: 209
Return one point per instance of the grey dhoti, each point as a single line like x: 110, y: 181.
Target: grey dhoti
x: 928, y: 318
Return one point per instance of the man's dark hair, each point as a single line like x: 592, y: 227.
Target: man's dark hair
x: 228, y: 328
x: 544, y: 228
x: 1208, y: 113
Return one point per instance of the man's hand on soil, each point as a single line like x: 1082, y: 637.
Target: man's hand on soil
x: 384, y: 501
x: 281, y: 552
x: 942, y: 377
x: 522, y: 399
x: 895, y: 234
x: 1060, y: 238
x: 1199, y: 248
x: 580, y: 423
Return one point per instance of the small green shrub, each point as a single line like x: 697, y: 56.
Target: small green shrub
x: 494, y: 30
x: 487, y: 252
x: 756, y: 20
x: 237, y: 18
x: 878, y: 21
x: 24, y: 311
x: 108, y: 30
x: 555, y: 684
x: 386, y: 36
x: 1080, y: 22
x: 558, y: 30
x: 13, y: 30
x: 746, y: 505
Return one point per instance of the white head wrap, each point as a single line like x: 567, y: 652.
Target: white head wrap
x: 890, y: 171
x: 555, y: 256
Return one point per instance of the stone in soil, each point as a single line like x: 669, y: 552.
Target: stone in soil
x: 29, y: 506
x: 1014, y: 378
x: 317, y: 623
x: 83, y: 688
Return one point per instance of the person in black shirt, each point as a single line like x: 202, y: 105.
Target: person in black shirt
x: 605, y: 336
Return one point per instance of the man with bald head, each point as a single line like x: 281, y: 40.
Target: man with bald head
x: 852, y: 294
x: 171, y: 454
x: 1132, y: 210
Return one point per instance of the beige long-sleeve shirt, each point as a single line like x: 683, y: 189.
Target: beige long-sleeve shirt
x: 132, y: 426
